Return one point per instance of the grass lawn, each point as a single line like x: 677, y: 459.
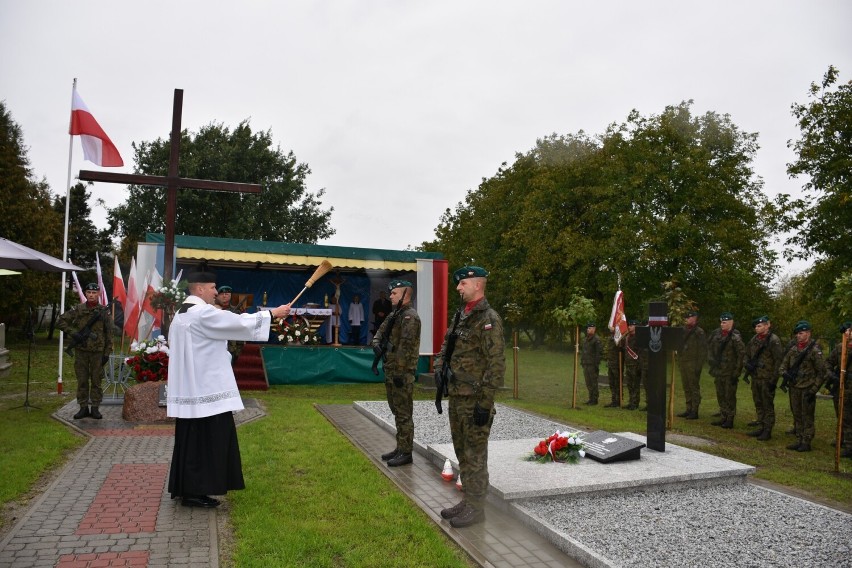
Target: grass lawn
x: 313, y: 499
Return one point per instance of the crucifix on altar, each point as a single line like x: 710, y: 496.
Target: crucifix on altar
x: 172, y: 182
x: 660, y: 339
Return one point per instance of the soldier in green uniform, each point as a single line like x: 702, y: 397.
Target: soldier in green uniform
x: 832, y: 374
x: 691, y: 359
x: 223, y: 302
x: 727, y: 352
x: 632, y: 365
x: 477, y: 366
x: 613, y: 364
x: 803, y: 372
x: 590, y: 357
x: 402, y: 328
x: 762, y: 358
x: 89, y: 326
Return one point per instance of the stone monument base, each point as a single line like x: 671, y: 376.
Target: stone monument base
x: 141, y: 404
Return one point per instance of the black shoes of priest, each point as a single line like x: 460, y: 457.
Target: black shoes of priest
x: 401, y: 458
x: 82, y: 413
x: 202, y: 501
x: 390, y: 455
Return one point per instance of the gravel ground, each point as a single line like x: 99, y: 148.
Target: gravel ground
x: 730, y: 525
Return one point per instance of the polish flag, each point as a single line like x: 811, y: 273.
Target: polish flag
x: 97, y: 147
x: 102, y: 294
x: 152, y: 318
x: 78, y: 287
x: 118, y: 291
x: 617, y: 320
x: 131, y: 310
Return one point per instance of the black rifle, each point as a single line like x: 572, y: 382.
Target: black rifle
x: 751, y: 365
x: 84, y: 334
x: 381, y: 350
x: 792, y: 373
x: 445, y: 375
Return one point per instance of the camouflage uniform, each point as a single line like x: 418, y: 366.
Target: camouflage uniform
x: 590, y: 358
x: 832, y: 374
x: 234, y: 347
x: 727, y: 353
x: 479, y: 365
x: 613, y: 360
x: 764, y: 380
x: 691, y: 359
x: 804, y: 387
x: 92, y: 353
x: 400, y: 367
x: 633, y: 369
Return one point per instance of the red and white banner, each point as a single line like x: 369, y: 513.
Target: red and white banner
x: 97, y: 147
x: 119, y: 293
x: 78, y: 287
x: 617, y: 320
x: 151, y: 318
x: 102, y: 294
x: 132, y: 308
x: 432, y: 304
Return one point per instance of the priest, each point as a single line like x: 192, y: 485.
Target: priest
x: 203, y: 394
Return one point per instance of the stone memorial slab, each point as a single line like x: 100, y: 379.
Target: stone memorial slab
x: 606, y: 447
x: 163, y: 394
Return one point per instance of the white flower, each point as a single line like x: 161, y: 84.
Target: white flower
x: 281, y: 337
x: 297, y: 333
x: 582, y: 453
x: 161, y: 339
x: 572, y: 441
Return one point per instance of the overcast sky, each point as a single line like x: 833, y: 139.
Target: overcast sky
x: 401, y: 107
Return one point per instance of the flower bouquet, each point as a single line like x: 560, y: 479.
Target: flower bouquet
x: 149, y: 360
x: 168, y: 298
x: 295, y: 330
x: 559, y: 447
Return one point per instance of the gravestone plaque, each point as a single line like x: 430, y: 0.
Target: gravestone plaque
x: 163, y: 394
x: 606, y: 447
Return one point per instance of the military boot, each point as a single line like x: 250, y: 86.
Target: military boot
x: 82, y: 413
x: 755, y: 433
x: 683, y: 414
x: 390, y: 455
x: 401, y: 458
x: 794, y: 446
x: 718, y: 422
x: 728, y: 424
x: 96, y: 414
x: 804, y: 447
x: 765, y: 435
x: 454, y: 511
x: 469, y: 516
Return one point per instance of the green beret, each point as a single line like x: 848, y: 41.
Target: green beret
x: 590, y: 324
x: 725, y: 316
x: 632, y: 322
x: 845, y: 325
x: 225, y: 289
x: 201, y: 278
x: 469, y: 272
x: 399, y: 284
x: 92, y: 286
x: 691, y: 313
x: 761, y: 319
x: 802, y: 325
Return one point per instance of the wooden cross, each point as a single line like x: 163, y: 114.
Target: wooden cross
x: 659, y: 338
x: 171, y: 182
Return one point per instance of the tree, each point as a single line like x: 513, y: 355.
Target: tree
x: 284, y: 211
x: 670, y: 197
x: 27, y: 218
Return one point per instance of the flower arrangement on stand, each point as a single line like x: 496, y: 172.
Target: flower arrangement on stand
x: 559, y: 447
x: 295, y: 330
x: 149, y: 360
x: 168, y: 298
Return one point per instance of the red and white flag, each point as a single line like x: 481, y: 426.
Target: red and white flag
x: 97, y: 147
x: 78, y: 287
x: 131, y: 310
x: 617, y: 320
x: 152, y: 318
x: 119, y: 293
x: 102, y: 294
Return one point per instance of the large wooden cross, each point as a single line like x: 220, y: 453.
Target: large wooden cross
x: 171, y: 182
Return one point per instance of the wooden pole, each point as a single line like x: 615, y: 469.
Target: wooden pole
x: 515, y: 349
x: 576, y: 356
x: 842, y: 387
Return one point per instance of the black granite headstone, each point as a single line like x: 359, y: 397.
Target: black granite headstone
x: 162, y: 394
x: 606, y: 447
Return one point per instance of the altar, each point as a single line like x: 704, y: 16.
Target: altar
x: 318, y: 365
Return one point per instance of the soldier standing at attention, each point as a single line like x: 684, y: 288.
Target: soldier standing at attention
x: 691, y: 359
x: 591, y: 360
x: 402, y: 328
x: 803, y: 371
x: 727, y: 352
x: 762, y: 358
x: 478, y: 363
x: 613, y: 364
x: 832, y: 373
x: 223, y: 302
x: 90, y: 328
x: 632, y: 365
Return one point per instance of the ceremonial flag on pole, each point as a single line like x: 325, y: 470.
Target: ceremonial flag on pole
x: 119, y: 293
x: 617, y: 320
x: 152, y: 318
x: 102, y: 295
x: 97, y: 147
x: 131, y: 310
x: 78, y: 287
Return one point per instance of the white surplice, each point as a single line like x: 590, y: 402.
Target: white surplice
x: 201, y: 380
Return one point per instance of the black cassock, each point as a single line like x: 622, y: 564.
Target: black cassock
x: 206, y: 457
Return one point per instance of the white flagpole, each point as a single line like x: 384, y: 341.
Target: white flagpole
x: 65, y: 238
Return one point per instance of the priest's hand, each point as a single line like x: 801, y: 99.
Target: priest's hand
x: 281, y: 311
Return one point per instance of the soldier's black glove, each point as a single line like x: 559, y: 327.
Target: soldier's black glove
x: 783, y: 388
x: 398, y: 382
x: 481, y: 415
x: 377, y: 351
x: 439, y: 392
x: 746, y: 379
x: 79, y: 338
x: 104, y: 360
